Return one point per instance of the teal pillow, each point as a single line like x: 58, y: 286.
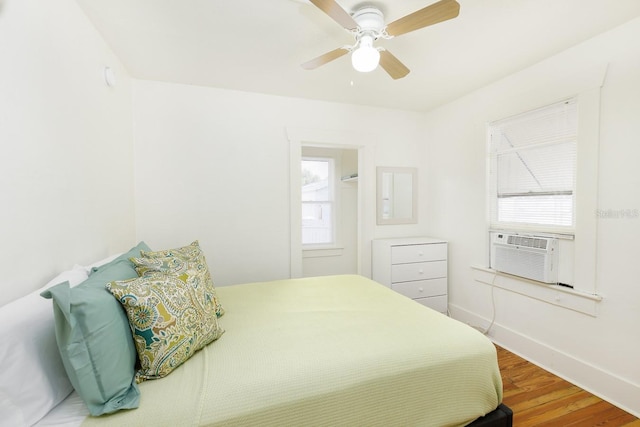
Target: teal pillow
x: 94, y: 339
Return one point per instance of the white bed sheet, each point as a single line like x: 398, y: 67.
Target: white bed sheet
x: 69, y: 413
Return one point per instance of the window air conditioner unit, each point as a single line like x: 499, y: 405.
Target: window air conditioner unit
x: 531, y: 257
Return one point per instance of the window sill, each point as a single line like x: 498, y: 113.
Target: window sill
x: 560, y: 296
x: 321, y: 252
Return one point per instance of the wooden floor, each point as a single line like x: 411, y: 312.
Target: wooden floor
x: 539, y: 398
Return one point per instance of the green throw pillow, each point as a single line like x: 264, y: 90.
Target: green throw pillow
x: 188, y: 259
x: 93, y: 336
x: 168, y: 321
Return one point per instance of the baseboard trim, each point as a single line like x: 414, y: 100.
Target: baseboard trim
x: 610, y: 387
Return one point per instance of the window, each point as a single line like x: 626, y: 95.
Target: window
x: 318, y: 206
x: 533, y: 169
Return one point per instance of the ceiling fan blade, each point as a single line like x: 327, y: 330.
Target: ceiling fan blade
x: 323, y: 59
x: 392, y: 65
x: 432, y: 14
x: 336, y: 12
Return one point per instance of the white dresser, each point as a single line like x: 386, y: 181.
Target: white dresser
x: 413, y: 266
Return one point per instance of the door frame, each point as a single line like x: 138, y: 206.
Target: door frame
x: 299, y: 137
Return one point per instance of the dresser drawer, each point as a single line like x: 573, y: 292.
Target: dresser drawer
x: 418, y: 271
x: 437, y: 303
x: 422, y: 288
x: 418, y: 253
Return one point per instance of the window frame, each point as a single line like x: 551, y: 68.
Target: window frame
x: 579, y: 249
x: 493, y: 199
x: 333, y: 201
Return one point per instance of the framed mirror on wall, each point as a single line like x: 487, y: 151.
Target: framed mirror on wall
x: 397, y: 195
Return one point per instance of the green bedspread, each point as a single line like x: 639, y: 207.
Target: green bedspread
x: 325, y: 351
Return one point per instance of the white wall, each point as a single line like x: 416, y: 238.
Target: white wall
x: 600, y: 353
x: 66, y: 150
x: 213, y: 165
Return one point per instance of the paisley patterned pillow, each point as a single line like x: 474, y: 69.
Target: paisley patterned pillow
x: 167, y: 319
x: 188, y: 259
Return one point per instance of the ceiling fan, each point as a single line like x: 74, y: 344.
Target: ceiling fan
x: 367, y: 25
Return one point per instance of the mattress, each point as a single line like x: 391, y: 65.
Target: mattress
x: 325, y: 351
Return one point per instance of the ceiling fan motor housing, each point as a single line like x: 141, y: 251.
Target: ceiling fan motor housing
x: 369, y: 19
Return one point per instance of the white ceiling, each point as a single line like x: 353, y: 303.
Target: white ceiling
x: 258, y: 45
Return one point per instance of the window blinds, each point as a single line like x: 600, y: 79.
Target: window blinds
x: 533, y: 167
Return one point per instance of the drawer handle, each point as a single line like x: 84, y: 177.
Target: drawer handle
x: 421, y: 271
x: 420, y: 253
x: 420, y: 290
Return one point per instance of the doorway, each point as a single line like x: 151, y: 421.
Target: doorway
x: 360, y: 191
x: 329, y: 206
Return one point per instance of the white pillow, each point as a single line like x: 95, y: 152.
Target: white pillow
x: 32, y: 377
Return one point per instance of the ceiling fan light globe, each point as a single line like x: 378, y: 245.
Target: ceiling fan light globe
x: 365, y: 59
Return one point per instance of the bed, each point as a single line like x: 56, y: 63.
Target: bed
x: 323, y: 351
